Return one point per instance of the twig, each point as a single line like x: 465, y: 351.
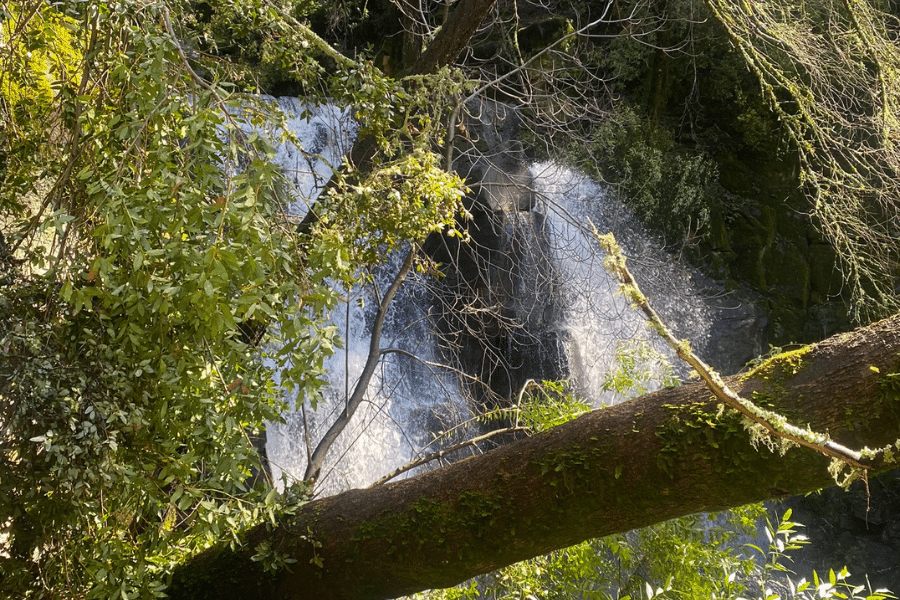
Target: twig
x: 441, y: 453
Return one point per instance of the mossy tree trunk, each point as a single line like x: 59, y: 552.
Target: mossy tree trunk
x: 658, y: 457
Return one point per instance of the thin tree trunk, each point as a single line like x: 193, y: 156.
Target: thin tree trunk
x: 317, y: 458
x: 658, y: 457
x: 454, y: 36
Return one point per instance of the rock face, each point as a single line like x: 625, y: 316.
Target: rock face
x: 497, y: 302
x: 859, y: 529
x: 760, y: 238
x: 763, y: 240
x: 499, y: 295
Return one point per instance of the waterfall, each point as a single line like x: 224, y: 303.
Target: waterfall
x: 565, y: 318
x: 596, y: 319
x: 409, y: 396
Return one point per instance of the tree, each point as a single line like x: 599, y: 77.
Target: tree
x: 156, y: 278
x: 148, y: 245
x: 663, y: 455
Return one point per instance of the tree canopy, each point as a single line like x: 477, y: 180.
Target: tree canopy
x: 158, y: 275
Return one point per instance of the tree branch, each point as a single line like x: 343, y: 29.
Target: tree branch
x: 318, y: 455
x: 453, y: 36
x: 633, y: 464
x: 772, y: 422
x: 441, y: 453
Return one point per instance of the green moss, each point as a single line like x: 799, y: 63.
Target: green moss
x: 779, y: 367
x: 695, y: 431
x: 636, y: 424
x: 398, y: 530
x: 886, y: 405
x: 430, y: 524
x: 775, y: 370
x: 570, y: 469
x: 888, y: 398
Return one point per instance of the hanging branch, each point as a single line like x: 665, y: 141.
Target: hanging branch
x: 769, y: 421
x: 837, y: 99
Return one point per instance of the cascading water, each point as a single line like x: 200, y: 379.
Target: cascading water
x: 405, y: 400
x: 558, y: 313
x: 596, y: 320
x: 407, y: 397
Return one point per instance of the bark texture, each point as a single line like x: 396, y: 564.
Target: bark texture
x: 453, y: 37
x: 658, y: 457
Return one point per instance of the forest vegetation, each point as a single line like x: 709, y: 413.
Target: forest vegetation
x: 158, y: 276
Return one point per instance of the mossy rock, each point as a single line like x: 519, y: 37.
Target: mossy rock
x: 749, y: 238
x: 825, y: 276
x: 826, y: 319
x: 786, y: 272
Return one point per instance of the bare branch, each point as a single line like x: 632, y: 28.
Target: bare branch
x: 318, y: 455
x: 441, y: 453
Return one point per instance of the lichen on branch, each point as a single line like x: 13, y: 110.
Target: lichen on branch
x: 765, y: 426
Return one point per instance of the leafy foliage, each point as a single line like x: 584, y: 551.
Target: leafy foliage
x: 40, y: 50
x: 783, y: 538
x: 639, y: 368
x: 540, y: 406
x: 129, y: 393
x: 154, y: 288
x: 403, y: 201
x: 668, y: 187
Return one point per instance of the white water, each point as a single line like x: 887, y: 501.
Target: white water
x: 597, y: 318
x: 325, y: 133
x: 409, y: 400
x: 406, y: 398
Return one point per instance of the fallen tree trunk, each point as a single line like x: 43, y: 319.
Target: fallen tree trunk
x: 660, y: 456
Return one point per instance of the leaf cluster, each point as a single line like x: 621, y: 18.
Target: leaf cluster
x: 404, y: 200
x: 670, y: 188
x: 154, y: 289
x: 638, y: 369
